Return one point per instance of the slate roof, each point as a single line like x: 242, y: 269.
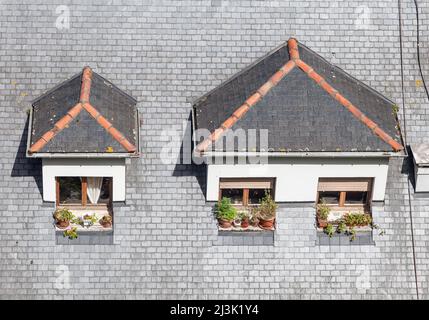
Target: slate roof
x: 305, y: 103
x: 85, y: 114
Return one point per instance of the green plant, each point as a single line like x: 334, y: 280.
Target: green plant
x: 357, y: 219
x: 329, y: 230
x: 225, y: 210
x: 92, y: 218
x: 63, y: 215
x: 244, y: 214
x: 267, y: 207
x: 352, y: 233
x: 341, y: 227
x: 323, y: 210
x: 395, y: 109
x: 71, y: 233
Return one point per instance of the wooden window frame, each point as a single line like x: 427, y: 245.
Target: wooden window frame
x: 245, y: 199
x: 343, y: 194
x: 84, y: 199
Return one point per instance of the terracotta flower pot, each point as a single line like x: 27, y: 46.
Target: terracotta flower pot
x: 266, y: 224
x: 254, y: 222
x: 224, y: 223
x: 245, y: 223
x: 62, y: 224
x: 105, y: 224
x: 322, y: 223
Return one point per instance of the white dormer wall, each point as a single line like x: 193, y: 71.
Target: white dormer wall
x: 80, y: 167
x: 297, y: 178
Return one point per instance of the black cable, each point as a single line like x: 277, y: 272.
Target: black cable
x: 405, y: 141
x: 418, y: 49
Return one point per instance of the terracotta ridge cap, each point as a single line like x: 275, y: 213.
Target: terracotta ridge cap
x: 249, y: 103
x: 85, y: 89
x: 58, y: 127
x: 108, y: 126
x: 309, y: 71
x: 292, y: 44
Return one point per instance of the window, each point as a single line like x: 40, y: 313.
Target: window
x: 329, y: 197
x: 83, y: 191
x: 245, y: 191
x: 106, y: 191
x: 345, y: 192
x: 236, y: 195
x: 70, y: 190
x: 256, y: 195
x: 356, y: 197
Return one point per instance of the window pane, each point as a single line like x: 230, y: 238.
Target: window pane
x: 256, y: 195
x: 329, y: 197
x: 70, y: 190
x: 236, y: 195
x: 105, y: 191
x: 356, y: 197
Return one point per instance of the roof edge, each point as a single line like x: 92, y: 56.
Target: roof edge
x: 304, y: 154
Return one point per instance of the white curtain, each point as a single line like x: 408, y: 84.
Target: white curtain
x: 94, y: 188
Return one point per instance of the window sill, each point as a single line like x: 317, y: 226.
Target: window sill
x: 243, y: 230
x: 363, y: 237
x: 245, y: 238
x: 94, y: 228
x: 85, y: 237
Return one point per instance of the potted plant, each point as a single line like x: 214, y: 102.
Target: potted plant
x: 89, y: 220
x: 322, y: 214
x: 225, y: 212
x: 267, y: 212
x: 238, y: 219
x: 357, y: 219
x: 245, y: 216
x: 63, y: 217
x: 329, y: 230
x: 106, y: 221
x: 253, y: 219
x: 341, y: 227
x: 71, y: 233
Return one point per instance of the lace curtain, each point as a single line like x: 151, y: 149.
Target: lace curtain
x: 94, y: 188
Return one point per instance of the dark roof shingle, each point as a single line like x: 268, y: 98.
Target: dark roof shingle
x: 86, y: 114
x: 308, y: 105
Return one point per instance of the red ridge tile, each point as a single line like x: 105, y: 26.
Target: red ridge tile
x: 92, y: 111
x: 265, y: 88
x: 228, y: 123
x: 293, y: 49
x: 86, y: 84
x: 106, y: 124
x: 253, y: 99
x: 216, y: 134
x: 240, y: 111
